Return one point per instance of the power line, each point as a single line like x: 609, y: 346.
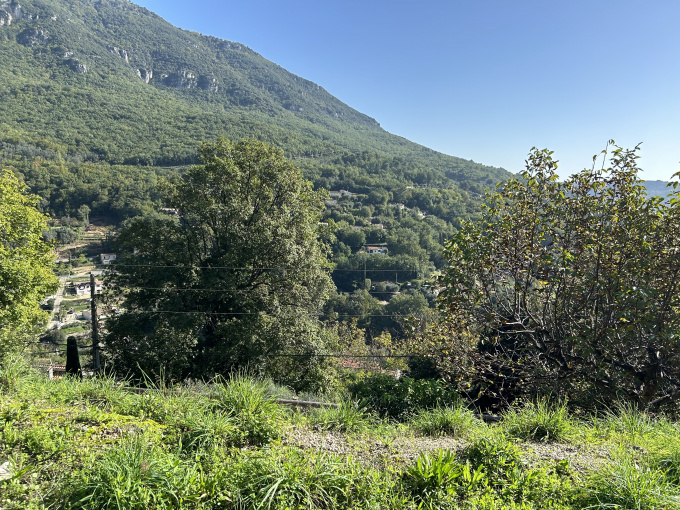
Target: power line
x: 280, y: 268
x: 169, y: 289
x: 198, y: 312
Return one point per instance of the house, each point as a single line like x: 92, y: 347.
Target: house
x: 87, y: 315
x: 83, y: 288
x: 357, y: 227
x: 341, y: 193
x: 107, y: 258
x: 376, y: 250
x: 331, y: 202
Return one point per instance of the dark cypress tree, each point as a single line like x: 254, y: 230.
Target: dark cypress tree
x: 73, y: 358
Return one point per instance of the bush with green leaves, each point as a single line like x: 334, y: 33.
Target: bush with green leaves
x: 399, y: 398
x: 569, y: 286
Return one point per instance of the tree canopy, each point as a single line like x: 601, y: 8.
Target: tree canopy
x: 237, y: 277
x: 570, y: 286
x: 26, y: 261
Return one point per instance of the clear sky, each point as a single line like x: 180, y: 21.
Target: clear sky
x: 483, y: 80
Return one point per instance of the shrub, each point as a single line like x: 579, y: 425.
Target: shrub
x: 399, y: 398
x: 570, y: 285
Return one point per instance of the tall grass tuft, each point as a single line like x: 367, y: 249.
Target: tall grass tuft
x: 14, y: 370
x: 137, y: 475
x: 628, y: 419
x: 629, y: 485
x: 295, y: 480
x: 347, y: 417
x: 253, y: 409
x: 445, y: 421
x: 539, y: 421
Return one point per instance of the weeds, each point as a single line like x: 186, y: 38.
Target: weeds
x: 253, y: 408
x: 445, y: 421
x: 347, y: 417
x: 137, y: 475
x: 539, y: 421
x: 629, y: 485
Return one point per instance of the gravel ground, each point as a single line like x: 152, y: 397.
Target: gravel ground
x: 402, y: 449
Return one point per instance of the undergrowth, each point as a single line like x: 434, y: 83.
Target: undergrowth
x: 228, y: 444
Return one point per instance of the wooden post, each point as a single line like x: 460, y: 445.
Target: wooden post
x: 95, y: 325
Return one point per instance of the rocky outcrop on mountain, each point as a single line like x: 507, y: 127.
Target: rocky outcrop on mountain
x: 145, y: 74
x: 74, y: 63
x: 121, y: 53
x: 208, y: 83
x: 10, y: 12
x: 33, y: 37
x: 181, y: 80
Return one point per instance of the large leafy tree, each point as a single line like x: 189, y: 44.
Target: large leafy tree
x: 237, y: 278
x: 26, y: 261
x: 569, y: 286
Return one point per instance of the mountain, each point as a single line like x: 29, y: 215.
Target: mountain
x: 110, y: 77
x: 107, y: 82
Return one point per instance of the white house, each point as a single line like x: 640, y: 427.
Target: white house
x: 107, y: 258
x: 83, y: 288
x: 376, y: 250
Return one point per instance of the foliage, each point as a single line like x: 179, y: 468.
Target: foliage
x: 347, y: 417
x: 136, y: 475
x: 26, y: 262
x: 539, y: 421
x: 399, y: 398
x: 445, y: 421
x: 431, y: 474
x: 240, y: 275
x: 571, y: 286
x: 253, y: 410
x: 92, y: 443
x: 630, y: 485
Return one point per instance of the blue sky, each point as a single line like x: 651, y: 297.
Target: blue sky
x: 483, y: 80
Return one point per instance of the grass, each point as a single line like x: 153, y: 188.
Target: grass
x: 347, y: 417
x: 541, y: 420
x: 227, y: 444
x: 445, y: 421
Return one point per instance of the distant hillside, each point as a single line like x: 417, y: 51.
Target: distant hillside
x: 657, y: 188
x: 112, y: 81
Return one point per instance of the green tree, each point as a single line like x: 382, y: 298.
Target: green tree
x: 239, y: 276
x: 571, y: 286
x: 26, y: 263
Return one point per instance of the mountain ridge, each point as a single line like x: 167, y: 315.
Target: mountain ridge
x: 75, y: 47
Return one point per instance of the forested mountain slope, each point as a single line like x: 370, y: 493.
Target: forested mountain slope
x: 112, y: 79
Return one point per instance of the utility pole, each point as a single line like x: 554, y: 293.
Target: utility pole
x: 95, y: 325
